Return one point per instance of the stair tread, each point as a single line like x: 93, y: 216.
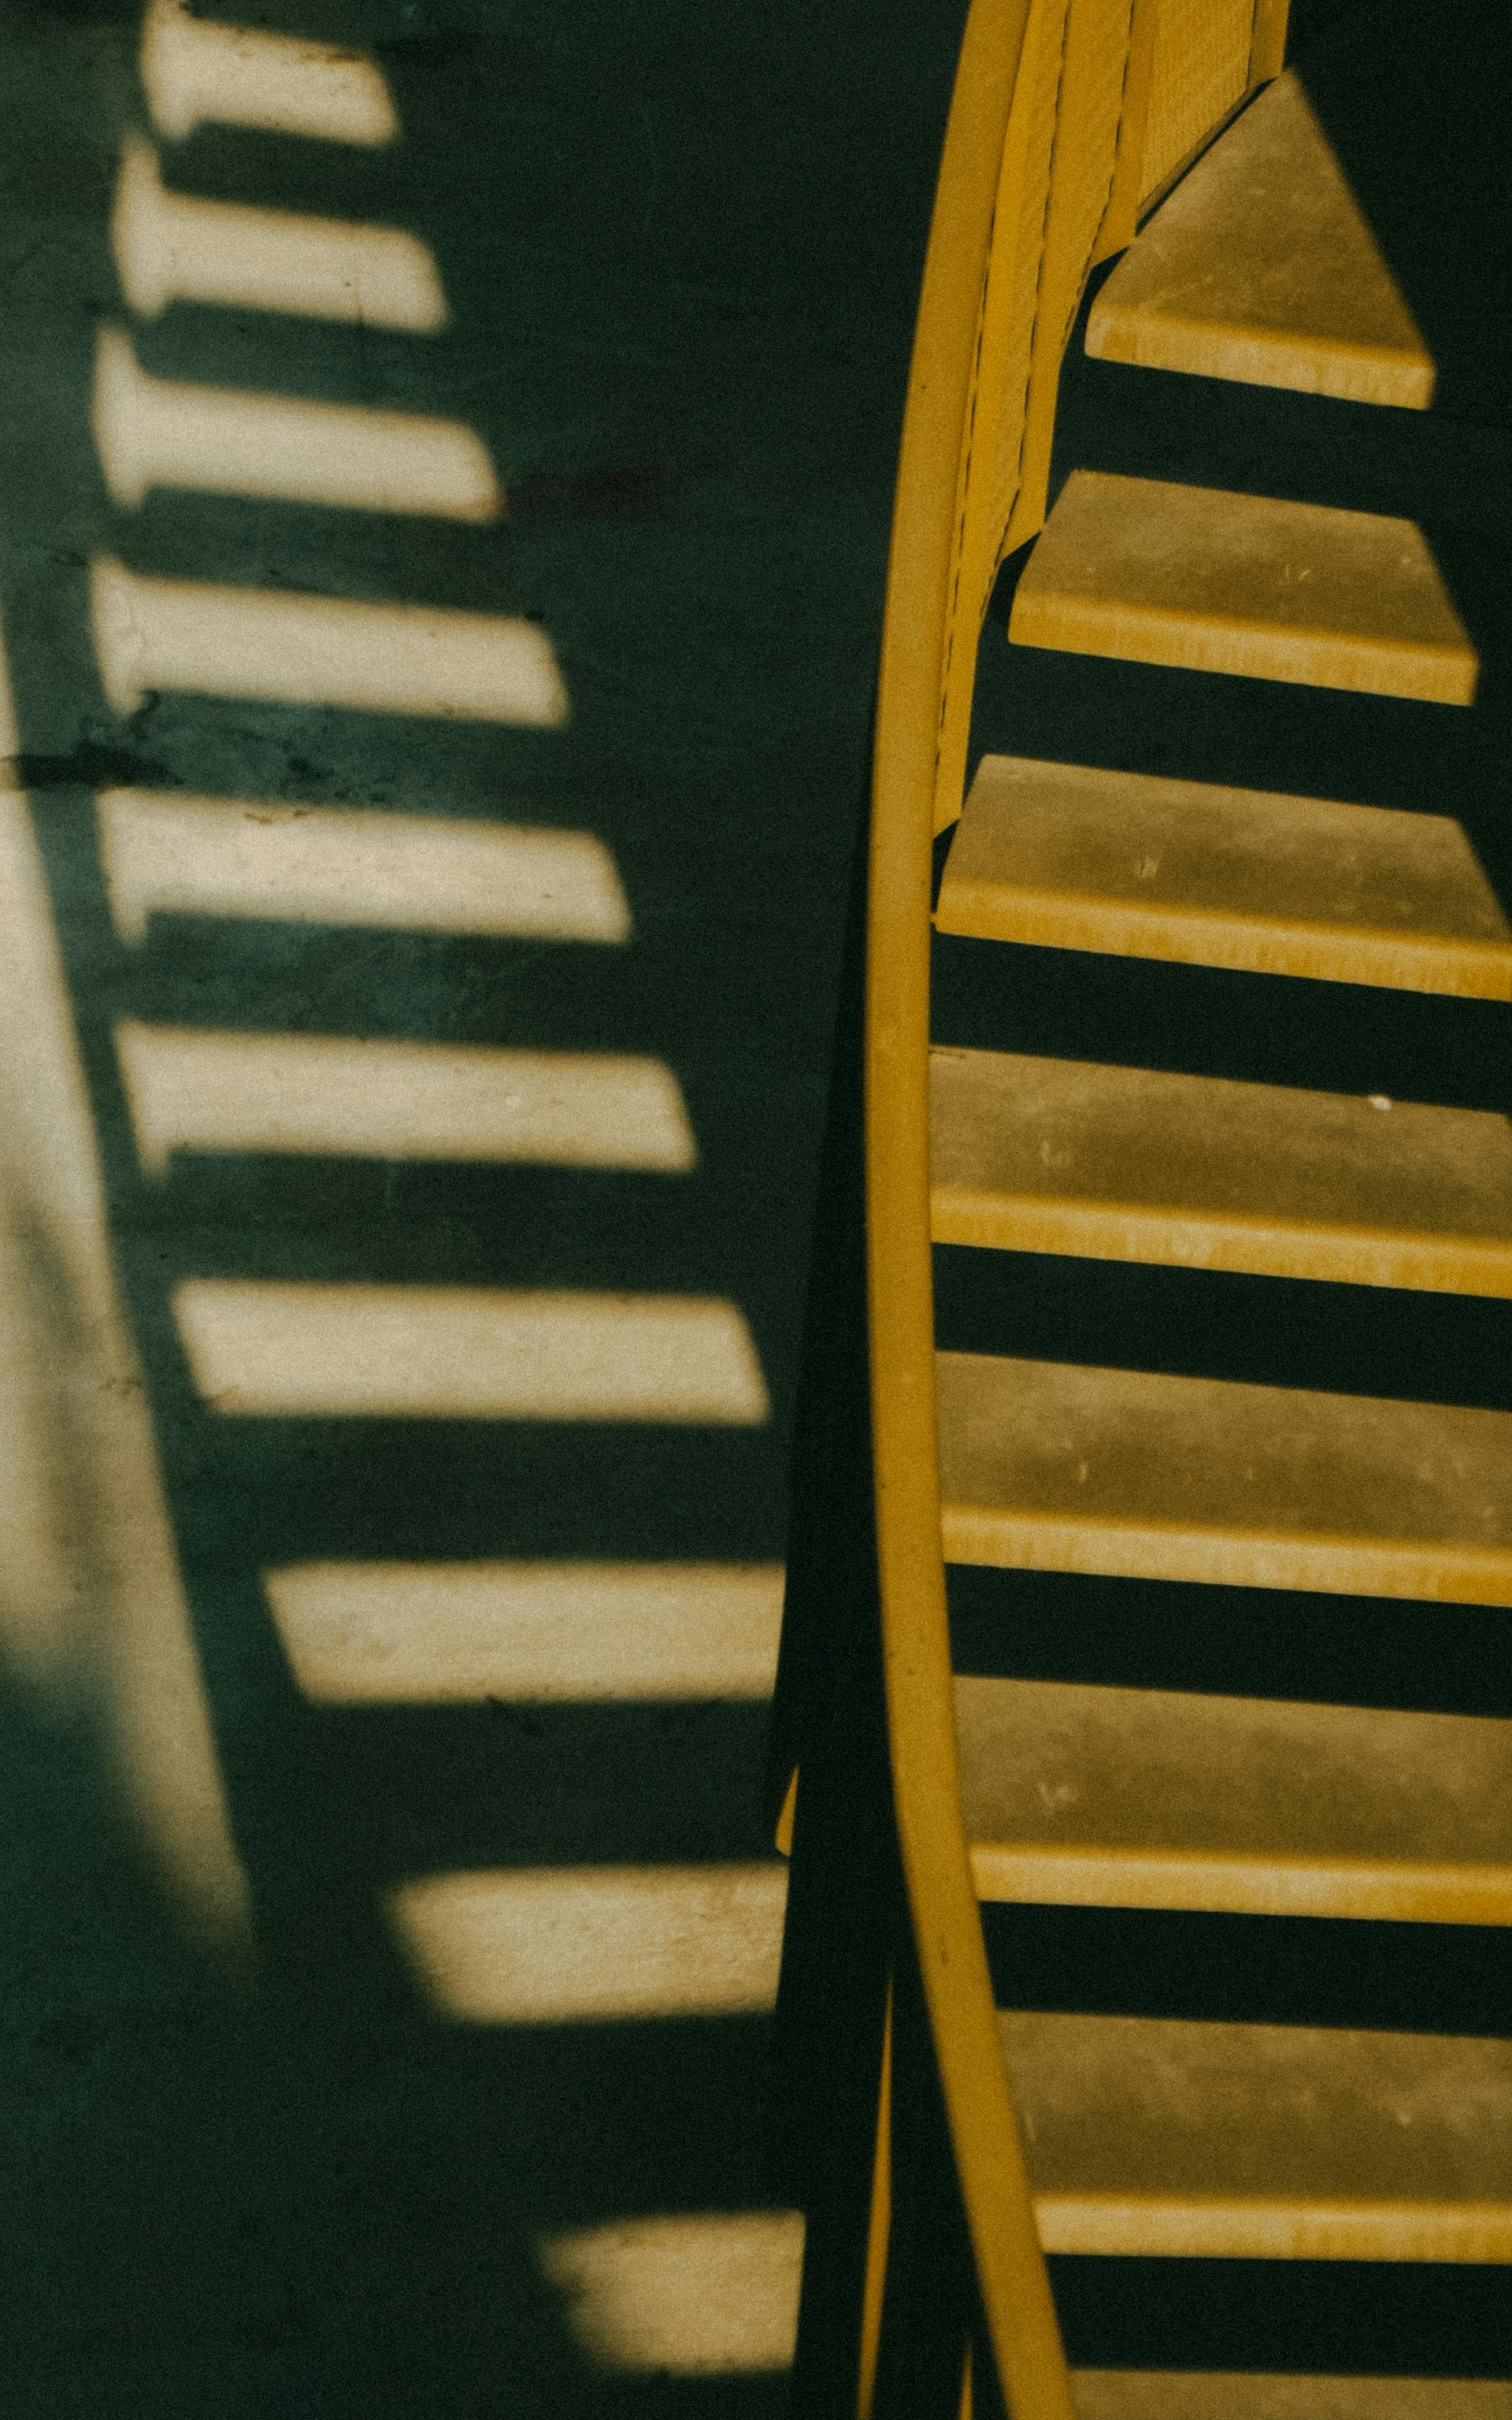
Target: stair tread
x: 1128, y: 1163
x: 1210, y: 580
x: 1262, y: 267
x: 1259, y: 2395
x: 1080, y: 1794
x: 1056, y: 1466
x: 1077, y: 857
x: 1165, y: 2134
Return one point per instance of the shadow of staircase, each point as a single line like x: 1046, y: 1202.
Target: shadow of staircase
x: 459, y: 1393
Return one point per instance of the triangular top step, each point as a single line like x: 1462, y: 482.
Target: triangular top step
x: 1263, y: 268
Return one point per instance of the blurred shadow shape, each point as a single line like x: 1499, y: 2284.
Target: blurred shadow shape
x: 194, y: 72
x: 335, y: 1350
x: 195, y: 1090
x: 155, y: 432
x: 563, y: 1945
x: 172, y: 856
x: 699, y: 2294
x: 173, y: 248
x: 531, y: 1634
x: 305, y: 650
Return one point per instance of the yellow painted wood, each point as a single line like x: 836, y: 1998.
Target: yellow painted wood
x: 1068, y: 167
x: 1053, y: 1470
x: 1111, y: 1797
x: 1201, y: 72
x: 1268, y: 42
x: 1121, y: 216
x: 999, y: 361
x: 879, y: 2226
x: 788, y: 1816
x: 1256, y: 2395
x: 1214, y: 582
x: 1133, y: 1164
x: 1053, y: 1467
x: 1089, y: 106
x: 1264, y: 2141
x: 1017, y: 2307
x: 1080, y: 859
x: 1262, y: 267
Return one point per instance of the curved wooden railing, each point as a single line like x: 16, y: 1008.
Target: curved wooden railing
x: 1042, y: 174
x: 922, y: 672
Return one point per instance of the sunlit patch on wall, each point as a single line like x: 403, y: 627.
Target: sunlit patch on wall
x: 173, y: 248
x: 329, y: 1350
x: 194, y: 1089
x: 706, y: 2294
x: 554, y: 1945
x: 152, y: 432
x: 304, y: 650
x: 446, y: 1634
x: 173, y: 856
x: 194, y: 72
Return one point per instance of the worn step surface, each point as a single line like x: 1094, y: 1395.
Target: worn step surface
x: 1053, y: 1467
x: 1034, y: 1154
x: 1262, y: 267
x: 1214, y: 582
x: 1073, y: 856
x: 1256, y: 2395
x: 1165, y: 2137
x: 1083, y: 1795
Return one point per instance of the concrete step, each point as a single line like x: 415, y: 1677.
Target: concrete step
x: 1262, y: 267
x: 1256, y: 2395
x: 1111, y: 1797
x: 1177, y: 2139
x: 1133, y: 1163
x: 1157, y: 573
x: 1053, y: 1467
x: 1078, y: 858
